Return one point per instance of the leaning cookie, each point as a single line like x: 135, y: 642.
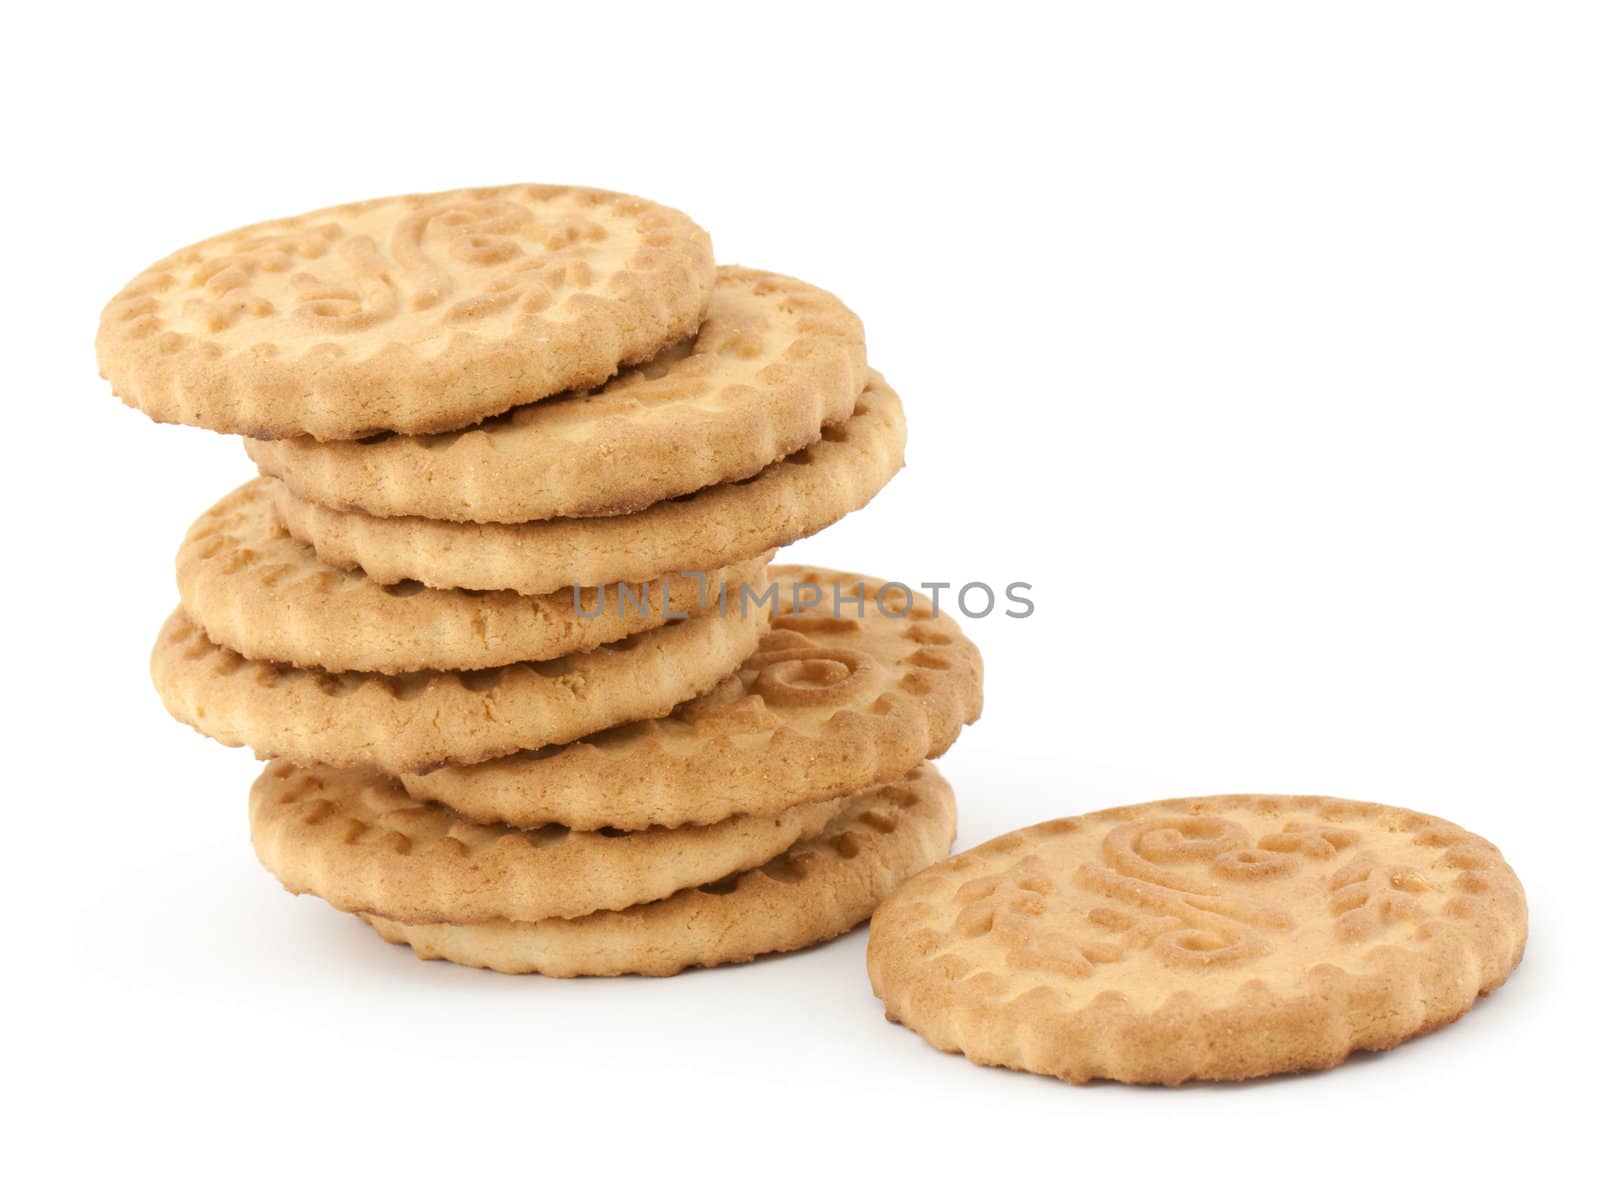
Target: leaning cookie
x: 355, y: 839
x: 817, y: 890
x: 775, y: 361
x: 855, y: 684
x: 1199, y: 939
x: 417, y: 313
x: 253, y: 588
x: 792, y: 499
x: 408, y: 722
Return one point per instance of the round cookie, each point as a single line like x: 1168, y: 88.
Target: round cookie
x: 774, y: 362
x: 355, y: 839
x: 817, y: 890
x: 784, y: 502
x: 1206, y: 938
x: 407, y: 722
x: 253, y: 588
x: 827, y: 704
x: 416, y: 313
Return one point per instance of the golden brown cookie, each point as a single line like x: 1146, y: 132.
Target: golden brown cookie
x: 789, y: 500
x: 827, y: 704
x: 1203, y: 938
x: 355, y: 839
x: 775, y: 361
x: 417, y: 313
x: 253, y: 588
x: 818, y: 889
x: 407, y: 722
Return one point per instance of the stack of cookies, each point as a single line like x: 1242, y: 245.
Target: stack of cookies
x: 500, y: 608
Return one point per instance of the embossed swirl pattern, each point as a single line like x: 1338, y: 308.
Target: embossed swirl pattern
x: 1194, y: 891
x: 467, y: 258
x: 792, y: 670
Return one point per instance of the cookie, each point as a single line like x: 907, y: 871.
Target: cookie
x: 355, y: 839
x: 789, y: 500
x: 827, y: 704
x: 253, y: 588
x: 407, y: 722
x: 775, y: 361
x: 417, y: 313
x: 1207, y: 938
x: 817, y: 890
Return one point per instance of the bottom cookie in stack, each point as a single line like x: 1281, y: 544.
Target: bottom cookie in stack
x: 480, y: 895
x: 773, y: 812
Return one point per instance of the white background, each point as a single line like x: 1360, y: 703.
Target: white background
x: 1260, y: 339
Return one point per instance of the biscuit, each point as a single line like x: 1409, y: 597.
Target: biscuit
x: 786, y: 501
x: 1209, y: 938
x: 417, y: 313
x: 817, y: 890
x: 827, y: 704
x: 253, y: 588
x: 407, y: 722
x: 355, y: 839
x: 775, y: 361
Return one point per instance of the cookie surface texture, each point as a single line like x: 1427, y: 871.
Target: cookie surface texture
x: 1212, y: 938
x: 818, y: 889
x: 252, y: 587
x: 775, y: 361
x: 839, y: 696
x: 789, y: 500
x: 416, y: 313
x: 407, y: 722
x: 355, y: 839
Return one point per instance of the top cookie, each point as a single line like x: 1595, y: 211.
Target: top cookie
x: 774, y: 363
x: 1203, y: 938
x: 418, y: 313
